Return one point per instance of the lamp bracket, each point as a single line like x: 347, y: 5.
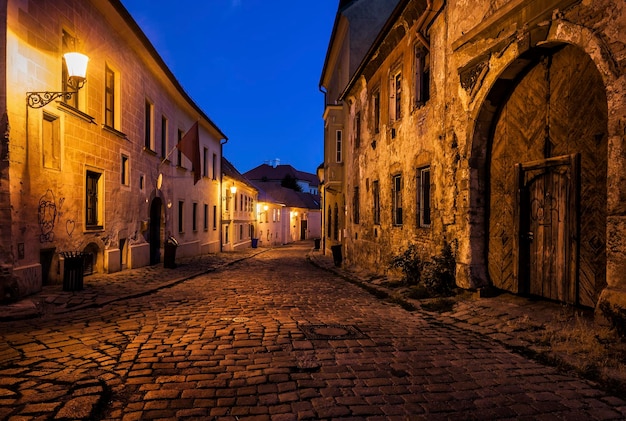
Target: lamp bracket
x: 41, y: 99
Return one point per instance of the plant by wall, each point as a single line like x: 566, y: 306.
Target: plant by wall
x: 437, y: 275
x: 409, y: 263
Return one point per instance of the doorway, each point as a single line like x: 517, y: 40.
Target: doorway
x: 156, y: 210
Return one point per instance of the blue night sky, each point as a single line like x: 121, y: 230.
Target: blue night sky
x: 253, y: 66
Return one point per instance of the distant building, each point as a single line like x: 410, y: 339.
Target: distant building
x: 97, y: 171
x: 284, y: 214
x: 309, y: 183
x: 239, y: 203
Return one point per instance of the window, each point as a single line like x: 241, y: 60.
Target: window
x: 69, y: 44
x: 148, y: 134
x: 214, y: 167
x: 376, y: 111
x: 423, y: 197
x: 93, y: 194
x: 338, y: 138
x: 194, y: 217
x: 240, y: 202
x: 376, y: 204
x: 205, y: 163
x: 240, y: 232
x: 181, y: 208
x: 109, y: 97
x: 124, y: 171
x: 227, y: 204
x: 422, y: 76
x: 274, y: 215
x: 355, y: 205
x: 214, y: 217
x: 51, y: 135
x: 179, y: 157
x: 206, y: 217
x: 336, y: 223
x: 396, y: 195
x: 395, y: 103
x: 329, y: 225
x: 357, y: 130
x: 163, y: 137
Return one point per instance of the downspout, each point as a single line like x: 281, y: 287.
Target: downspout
x: 324, y: 231
x: 429, y: 11
x: 219, y: 200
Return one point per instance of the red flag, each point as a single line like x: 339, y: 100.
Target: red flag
x: 189, y: 145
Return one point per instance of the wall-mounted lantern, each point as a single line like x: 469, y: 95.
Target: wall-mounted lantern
x: 77, y: 75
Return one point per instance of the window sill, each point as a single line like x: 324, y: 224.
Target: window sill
x: 94, y: 228
x: 149, y: 151
x: 75, y: 112
x: 114, y: 131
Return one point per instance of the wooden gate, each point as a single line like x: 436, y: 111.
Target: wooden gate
x: 547, y: 227
x: 554, y: 122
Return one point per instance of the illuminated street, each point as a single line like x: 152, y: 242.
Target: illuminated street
x: 273, y: 337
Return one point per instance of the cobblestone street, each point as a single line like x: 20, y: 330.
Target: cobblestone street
x: 273, y: 337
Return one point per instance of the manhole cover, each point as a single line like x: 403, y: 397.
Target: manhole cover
x: 331, y: 331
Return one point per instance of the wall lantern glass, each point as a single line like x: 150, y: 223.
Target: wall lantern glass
x: 233, y: 189
x: 77, y: 75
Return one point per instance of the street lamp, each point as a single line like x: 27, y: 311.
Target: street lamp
x: 76, y: 69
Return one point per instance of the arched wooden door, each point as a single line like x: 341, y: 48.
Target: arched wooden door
x: 555, y: 111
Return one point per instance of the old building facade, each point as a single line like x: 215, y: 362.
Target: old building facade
x: 495, y: 127
x: 239, y: 200
x: 97, y: 172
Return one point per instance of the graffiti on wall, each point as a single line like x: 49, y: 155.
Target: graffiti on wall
x: 47, y: 217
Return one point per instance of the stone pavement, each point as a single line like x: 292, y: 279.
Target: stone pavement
x: 100, y: 289
x: 273, y: 338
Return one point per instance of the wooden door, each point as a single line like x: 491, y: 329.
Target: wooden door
x: 548, y: 227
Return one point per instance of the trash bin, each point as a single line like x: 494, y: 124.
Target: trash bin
x: 255, y: 243
x: 73, y: 270
x: 169, y: 255
x: 317, y: 243
x: 336, y: 255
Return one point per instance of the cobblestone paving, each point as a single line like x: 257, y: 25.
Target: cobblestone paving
x: 274, y: 338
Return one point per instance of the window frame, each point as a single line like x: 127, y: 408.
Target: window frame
x: 422, y: 75
x: 339, y: 146
x: 376, y: 109
x: 125, y: 169
x: 396, y: 197
x: 424, y: 197
x: 395, y: 95
x: 111, y: 97
x: 194, y: 216
x: 94, y: 199
x: 51, y: 141
x: 148, y: 142
x: 164, y: 127
x: 181, y: 216
x: 356, y: 205
x: 376, y: 202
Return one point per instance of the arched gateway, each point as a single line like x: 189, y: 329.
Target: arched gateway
x: 544, y: 127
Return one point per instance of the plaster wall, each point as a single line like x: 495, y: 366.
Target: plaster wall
x: 48, y: 201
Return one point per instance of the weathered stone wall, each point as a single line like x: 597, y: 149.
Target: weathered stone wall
x: 478, y: 49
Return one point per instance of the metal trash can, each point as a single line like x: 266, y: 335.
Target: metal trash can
x: 317, y: 243
x: 255, y: 243
x: 73, y: 270
x: 336, y: 255
x: 169, y: 255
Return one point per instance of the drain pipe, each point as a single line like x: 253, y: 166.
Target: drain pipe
x: 218, y: 208
x: 428, y: 12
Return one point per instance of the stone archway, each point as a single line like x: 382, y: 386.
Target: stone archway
x: 551, y: 108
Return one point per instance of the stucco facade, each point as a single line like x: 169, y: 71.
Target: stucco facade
x: 495, y: 127
x: 98, y: 173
